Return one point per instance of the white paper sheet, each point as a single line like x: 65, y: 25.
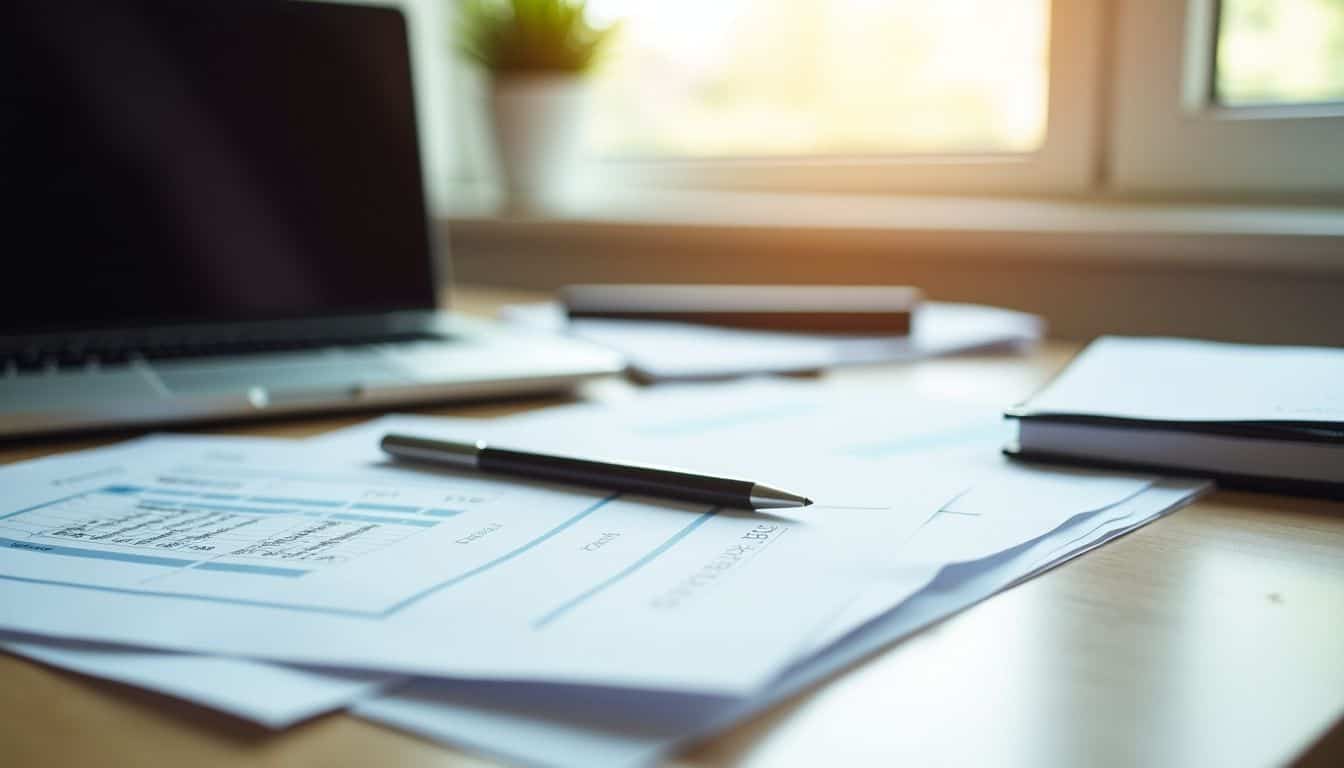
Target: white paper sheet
x: 922, y: 428
x: 272, y: 695
x: 831, y: 444
x: 1189, y: 380
x: 350, y: 567
x: 668, y: 351
x: 820, y: 439
x: 564, y: 726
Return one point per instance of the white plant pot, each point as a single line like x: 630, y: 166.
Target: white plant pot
x: 538, y: 129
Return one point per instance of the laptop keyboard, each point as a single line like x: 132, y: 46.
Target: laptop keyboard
x: 73, y: 356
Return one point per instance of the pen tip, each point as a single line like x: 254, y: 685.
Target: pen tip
x: 765, y: 497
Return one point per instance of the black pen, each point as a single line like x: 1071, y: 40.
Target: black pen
x: 652, y: 481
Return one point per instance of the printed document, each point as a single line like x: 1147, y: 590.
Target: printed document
x: 623, y: 728
x: 832, y: 442
x: 563, y: 726
x: 273, y: 695
x: 268, y: 550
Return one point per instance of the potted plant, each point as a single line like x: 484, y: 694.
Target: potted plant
x: 536, y: 53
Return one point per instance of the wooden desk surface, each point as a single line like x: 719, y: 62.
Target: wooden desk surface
x: 1214, y: 637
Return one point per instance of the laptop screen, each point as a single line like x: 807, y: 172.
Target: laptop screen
x: 168, y: 161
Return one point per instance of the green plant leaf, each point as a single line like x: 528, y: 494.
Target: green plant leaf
x: 511, y: 36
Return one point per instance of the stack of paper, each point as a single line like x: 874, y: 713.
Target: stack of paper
x: 541, y: 623
x: 669, y: 351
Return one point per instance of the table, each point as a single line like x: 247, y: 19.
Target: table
x: 1214, y: 637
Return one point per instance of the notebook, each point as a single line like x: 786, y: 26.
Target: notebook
x: 1260, y: 417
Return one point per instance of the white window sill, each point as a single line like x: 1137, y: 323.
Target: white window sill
x: 1272, y: 237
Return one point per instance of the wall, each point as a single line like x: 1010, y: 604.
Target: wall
x: 1085, y: 285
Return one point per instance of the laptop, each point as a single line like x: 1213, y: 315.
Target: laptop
x: 215, y: 210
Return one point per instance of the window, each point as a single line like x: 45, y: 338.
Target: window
x: 1239, y: 98
x: 822, y: 78
x: 1275, y: 53
x: 902, y: 95
x: 1233, y: 98
x: 851, y: 95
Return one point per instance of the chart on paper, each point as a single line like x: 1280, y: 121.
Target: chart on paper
x: 219, y: 532
x: 323, y: 555
x: 362, y: 542
x: 178, y: 527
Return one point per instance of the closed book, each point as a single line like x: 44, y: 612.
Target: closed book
x: 1250, y: 416
x: 850, y: 309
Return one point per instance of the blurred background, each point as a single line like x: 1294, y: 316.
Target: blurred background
x: 1144, y: 166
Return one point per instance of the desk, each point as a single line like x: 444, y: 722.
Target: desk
x: 1214, y: 637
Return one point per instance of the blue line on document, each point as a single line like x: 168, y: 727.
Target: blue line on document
x: 198, y: 598
x: 382, y: 520
x: 357, y: 478
x: 53, y: 549
x: 44, y: 504
x: 262, y: 570
x: 501, y: 559
x: 385, y: 507
x: 190, y: 505
x: 302, y: 502
x: 635, y: 566
x: 317, y: 609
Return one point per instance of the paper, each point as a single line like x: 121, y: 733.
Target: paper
x: 822, y: 441
x: 272, y: 695
x: 586, y: 725
x: 1186, y: 380
x: 562, y: 726
x: 669, y: 351
x: 199, y: 544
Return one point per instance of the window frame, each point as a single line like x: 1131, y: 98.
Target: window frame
x: 1065, y: 163
x: 1126, y: 119
x: 1169, y: 137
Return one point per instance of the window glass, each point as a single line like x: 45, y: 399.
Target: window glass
x: 1280, y: 52
x: 726, y: 78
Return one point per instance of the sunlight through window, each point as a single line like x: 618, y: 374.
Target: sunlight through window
x: 1280, y: 52
x: 760, y: 78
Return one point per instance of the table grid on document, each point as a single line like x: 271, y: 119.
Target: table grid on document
x: 215, y: 532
